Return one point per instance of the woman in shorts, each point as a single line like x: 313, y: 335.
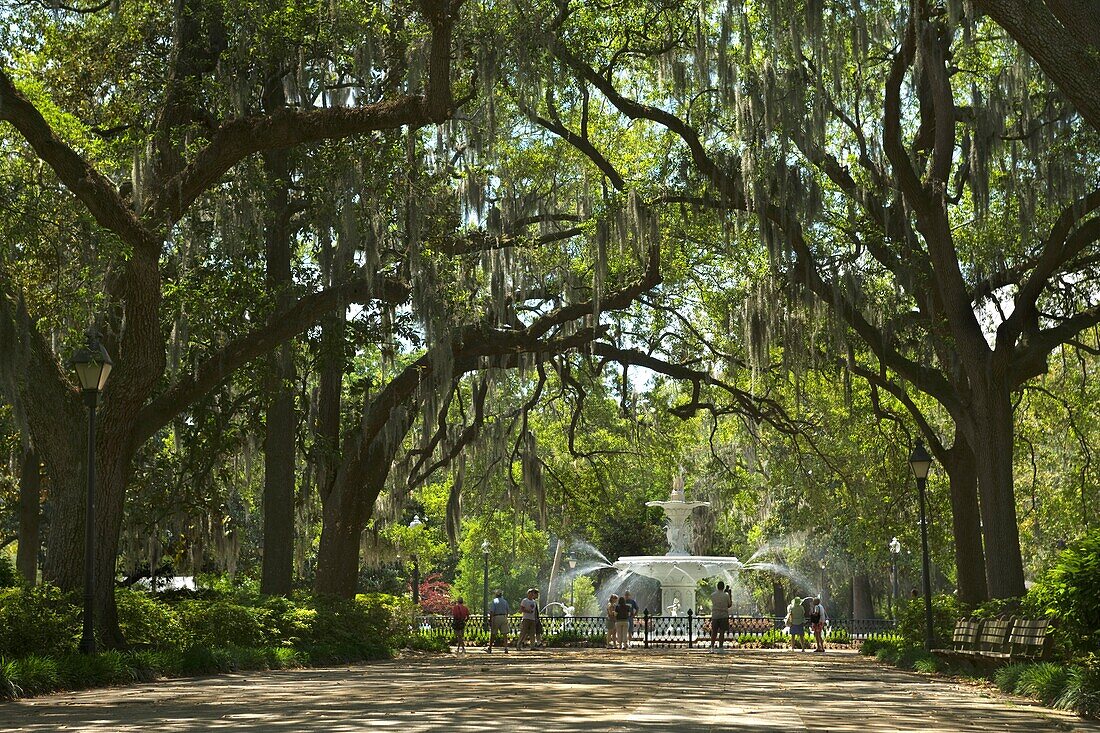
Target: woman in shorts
x: 609, y: 612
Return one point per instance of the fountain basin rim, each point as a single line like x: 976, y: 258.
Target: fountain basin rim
x: 678, y: 559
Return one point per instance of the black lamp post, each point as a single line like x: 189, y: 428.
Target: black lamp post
x: 485, y: 582
x: 572, y: 580
x: 92, y: 366
x: 895, y: 550
x: 416, y: 523
x: 921, y: 463
x: 823, y: 563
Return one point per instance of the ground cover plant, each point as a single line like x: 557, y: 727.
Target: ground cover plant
x: 1070, y: 680
x: 194, y: 633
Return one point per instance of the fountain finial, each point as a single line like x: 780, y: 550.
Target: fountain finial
x: 678, y: 486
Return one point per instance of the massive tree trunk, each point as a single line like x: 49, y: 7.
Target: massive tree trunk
x: 993, y: 439
x: 281, y: 428
x: 30, y: 504
x: 338, y: 552
x: 961, y: 468
x: 348, y: 506
x: 862, y: 604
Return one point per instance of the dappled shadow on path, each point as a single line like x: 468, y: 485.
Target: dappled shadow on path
x: 591, y: 690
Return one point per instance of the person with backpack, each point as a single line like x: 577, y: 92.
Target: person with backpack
x: 796, y: 620
x: 817, y: 622
x: 459, y: 615
x: 623, y: 614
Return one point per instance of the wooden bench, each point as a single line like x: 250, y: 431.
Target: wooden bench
x: 998, y: 641
x: 964, y: 639
x: 1027, y: 642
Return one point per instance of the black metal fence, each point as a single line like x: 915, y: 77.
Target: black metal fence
x: 647, y: 630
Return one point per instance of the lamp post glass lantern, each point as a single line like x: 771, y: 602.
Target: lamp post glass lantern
x: 92, y: 365
x: 921, y: 463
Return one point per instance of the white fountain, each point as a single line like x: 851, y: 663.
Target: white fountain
x: 678, y: 571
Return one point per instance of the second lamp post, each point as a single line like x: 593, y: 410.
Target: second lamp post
x: 92, y: 366
x: 921, y: 463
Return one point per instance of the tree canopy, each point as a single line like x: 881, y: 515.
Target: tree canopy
x: 514, y: 267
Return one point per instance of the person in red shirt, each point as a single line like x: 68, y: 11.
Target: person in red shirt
x: 459, y: 614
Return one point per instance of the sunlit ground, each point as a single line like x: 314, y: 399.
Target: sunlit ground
x: 544, y: 691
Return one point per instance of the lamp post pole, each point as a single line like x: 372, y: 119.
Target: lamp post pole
x: 415, y: 525
x: 485, y: 582
x: 92, y: 366
x: 572, y: 582
x: 895, y: 550
x: 921, y: 462
x: 87, y: 636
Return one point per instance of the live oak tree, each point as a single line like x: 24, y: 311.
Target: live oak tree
x: 195, y: 133
x: 843, y: 138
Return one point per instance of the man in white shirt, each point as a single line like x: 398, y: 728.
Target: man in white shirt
x: 529, y: 616
x: 719, y: 615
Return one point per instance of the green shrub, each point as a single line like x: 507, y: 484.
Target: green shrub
x: 368, y: 627
x: 838, y: 636
x: 284, y: 658
x: 147, y: 665
x: 1067, y: 593
x: 1008, y: 676
x: 999, y: 608
x: 872, y: 645
x: 909, y: 657
x: 34, y: 674
x: 1088, y: 687
x: 428, y: 643
x: 198, y: 659
x: 77, y: 671
x: 1045, y: 681
x: 8, y: 576
x: 911, y: 619
x: 37, y: 620
x: 147, y: 622
x: 220, y: 623
x: 8, y: 689
x: 929, y: 665
x: 288, y: 621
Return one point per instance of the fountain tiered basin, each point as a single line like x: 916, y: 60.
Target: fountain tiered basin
x: 678, y: 571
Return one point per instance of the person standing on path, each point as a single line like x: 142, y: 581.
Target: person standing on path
x: 609, y: 612
x: 796, y: 620
x: 719, y: 615
x: 623, y: 614
x: 817, y: 620
x: 633, y: 614
x: 538, y: 622
x: 529, y: 617
x: 459, y: 614
x: 498, y: 622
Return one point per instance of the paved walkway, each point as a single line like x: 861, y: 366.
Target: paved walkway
x: 545, y: 691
